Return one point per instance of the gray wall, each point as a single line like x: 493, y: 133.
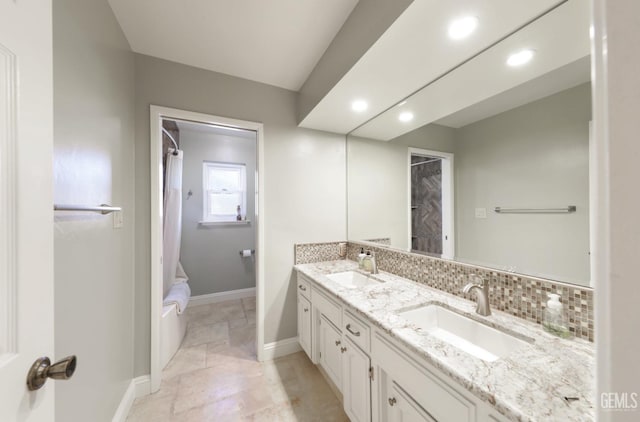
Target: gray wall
x: 536, y: 155
x: 209, y: 254
x: 93, y: 164
x: 300, y: 164
x: 377, y: 178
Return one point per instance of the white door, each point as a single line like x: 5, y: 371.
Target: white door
x: 26, y: 206
x: 356, y: 383
x: 331, y: 350
x: 304, y: 324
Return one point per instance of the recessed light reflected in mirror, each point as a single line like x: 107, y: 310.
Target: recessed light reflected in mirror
x: 462, y: 27
x: 520, y: 58
x: 405, y: 116
x: 359, y: 105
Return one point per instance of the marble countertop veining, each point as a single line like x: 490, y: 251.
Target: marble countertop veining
x: 527, y: 387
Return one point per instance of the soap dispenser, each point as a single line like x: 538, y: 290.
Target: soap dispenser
x: 361, y: 256
x: 367, y: 264
x: 553, y: 317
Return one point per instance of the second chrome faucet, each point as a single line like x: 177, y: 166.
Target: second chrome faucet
x: 482, y: 294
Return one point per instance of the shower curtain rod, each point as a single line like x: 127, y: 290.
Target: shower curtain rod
x: 424, y: 162
x: 172, y: 140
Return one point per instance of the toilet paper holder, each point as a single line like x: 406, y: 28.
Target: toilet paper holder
x: 253, y: 251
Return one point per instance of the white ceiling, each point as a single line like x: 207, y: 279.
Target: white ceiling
x: 414, y: 51
x: 277, y: 42
x: 485, y: 85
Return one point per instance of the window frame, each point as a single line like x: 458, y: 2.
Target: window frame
x: 207, y: 168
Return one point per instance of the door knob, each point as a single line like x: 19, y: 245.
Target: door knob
x: 42, y: 369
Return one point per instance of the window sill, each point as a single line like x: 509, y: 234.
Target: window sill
x: 225, y: 223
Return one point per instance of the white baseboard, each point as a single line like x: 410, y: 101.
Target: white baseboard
x: 142, y: 385
x: 125, y: 404
x: 281, y: 348
x: 138, y: 387
x: 222, y: 296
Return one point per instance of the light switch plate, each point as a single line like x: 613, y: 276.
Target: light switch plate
x: 118, y: 220
x: 481, y: 213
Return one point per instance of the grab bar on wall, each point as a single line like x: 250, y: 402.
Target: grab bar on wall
x: 568, y: 209
x: 103, y: 208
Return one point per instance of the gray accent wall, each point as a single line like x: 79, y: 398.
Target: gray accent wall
x: 536, y: 155
x: 304, y: 174
x: 93, y: 163
x: 209, y: 254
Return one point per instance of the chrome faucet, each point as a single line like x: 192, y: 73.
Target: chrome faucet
x: 374, y: 265
x: 482, y: 294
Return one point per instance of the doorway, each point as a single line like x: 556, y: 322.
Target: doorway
x: 431, y: 218
x: 219, y: 216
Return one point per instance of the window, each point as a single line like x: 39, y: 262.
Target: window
x: 224, y: 188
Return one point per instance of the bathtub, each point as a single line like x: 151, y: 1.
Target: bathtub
x: 172, y: 330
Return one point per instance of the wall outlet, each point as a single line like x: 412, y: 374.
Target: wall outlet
x: 481, y: 213
x: 118, y: 220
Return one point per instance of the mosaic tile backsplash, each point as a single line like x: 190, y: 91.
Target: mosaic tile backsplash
x: 516, y: 294
x: 307, y: 253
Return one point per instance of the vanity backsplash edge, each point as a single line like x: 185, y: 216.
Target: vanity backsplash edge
x: 515, y: 294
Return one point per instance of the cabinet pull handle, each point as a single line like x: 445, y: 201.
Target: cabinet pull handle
x: 301, y: 287
x: 338, y: 342
x: 392, y: 401
x: 355, y: 333
x: 306, y: 309
x: 343, y: 349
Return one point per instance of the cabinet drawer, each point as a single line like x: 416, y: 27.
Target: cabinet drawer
x: 356, y: 330
x: 327, y: 307
x: 304, y: 286
x: 429, y: 391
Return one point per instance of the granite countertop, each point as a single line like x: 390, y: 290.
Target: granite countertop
x: 529, y: 386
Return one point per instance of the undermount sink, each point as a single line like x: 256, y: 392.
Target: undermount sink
x: 468, y: 335
x: 351, y: 279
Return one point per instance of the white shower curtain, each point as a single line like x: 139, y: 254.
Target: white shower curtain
x: 172, y: 222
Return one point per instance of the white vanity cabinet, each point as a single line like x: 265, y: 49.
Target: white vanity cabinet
x: 356, y: 382
x: 318, y: 328
x: 403, y: 408
x: 356, y: 369
x: 380, y: 379
x: 305, y: 315
x: 416, y: 386
x: 304, y: 324
x: 330, y: 350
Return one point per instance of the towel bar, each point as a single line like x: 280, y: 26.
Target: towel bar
x: 568, y: 209
x: 102, y: 208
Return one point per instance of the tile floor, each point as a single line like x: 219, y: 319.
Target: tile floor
x: 215, y: 376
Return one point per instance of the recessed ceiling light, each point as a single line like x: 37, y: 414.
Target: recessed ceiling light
x: 405, y: 116
x: 359, y: 105
x: 462, y: 27
x: 520, y: 58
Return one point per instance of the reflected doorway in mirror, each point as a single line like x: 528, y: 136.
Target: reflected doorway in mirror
x: 431, y: 196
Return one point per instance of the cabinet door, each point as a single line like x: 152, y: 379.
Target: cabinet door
x: 304, y: 324
x: 403, y: 408
x: 356, y: 383
x: 331, y: 351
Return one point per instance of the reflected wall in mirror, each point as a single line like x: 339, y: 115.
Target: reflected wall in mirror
x: 524, y: 146
x: 535, y: 156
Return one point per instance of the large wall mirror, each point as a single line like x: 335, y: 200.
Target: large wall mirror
x: 489, y: 163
